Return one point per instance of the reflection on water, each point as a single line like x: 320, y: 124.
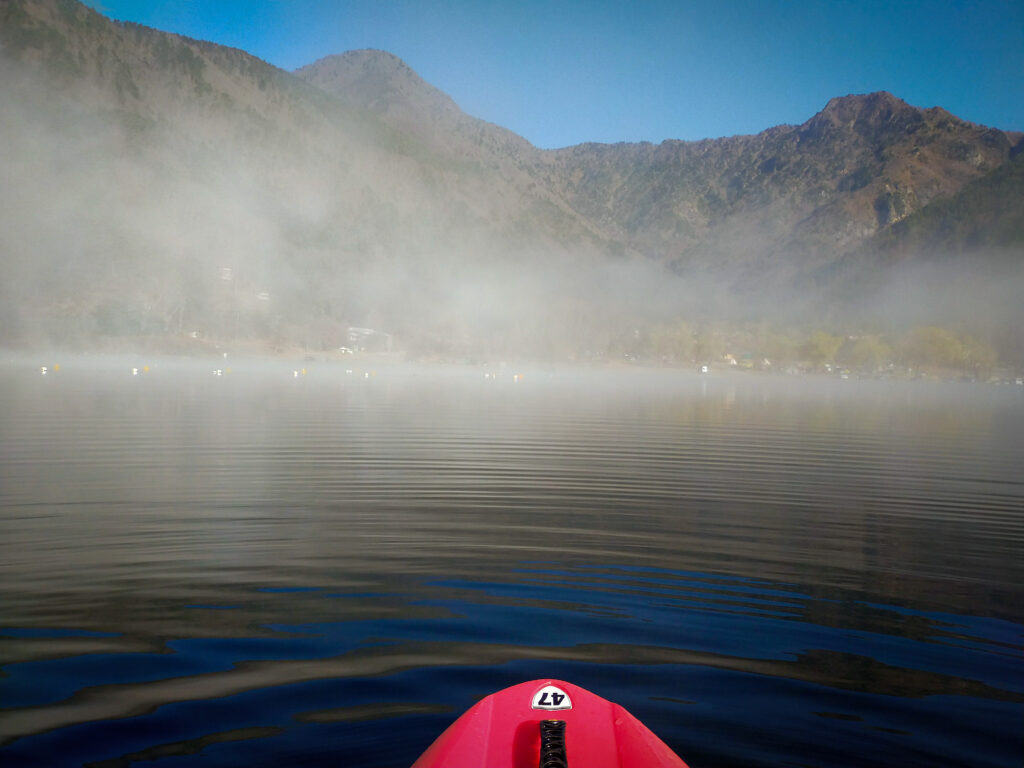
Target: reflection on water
x: 268, y: 569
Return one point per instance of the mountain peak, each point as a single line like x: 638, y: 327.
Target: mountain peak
x: 375, y: 80
x: 364, y: 60
x: 382, y: 83
x: 872, y: 108
x: 877, y: 117
x: 861, y: 101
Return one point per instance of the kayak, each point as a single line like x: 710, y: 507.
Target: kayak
x: 547, y: 724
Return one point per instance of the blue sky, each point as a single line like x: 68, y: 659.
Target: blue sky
x: 561, y: 73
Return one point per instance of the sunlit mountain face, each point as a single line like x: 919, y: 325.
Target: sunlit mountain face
x: 191, y: 197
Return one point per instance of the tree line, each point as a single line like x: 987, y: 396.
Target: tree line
x: 762, y: 346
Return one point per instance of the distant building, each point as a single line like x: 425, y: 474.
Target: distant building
x: 368, y: 340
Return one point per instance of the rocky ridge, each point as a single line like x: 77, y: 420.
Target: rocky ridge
x: 365, y: 195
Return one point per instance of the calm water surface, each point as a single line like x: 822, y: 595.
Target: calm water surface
x: 265, y: 569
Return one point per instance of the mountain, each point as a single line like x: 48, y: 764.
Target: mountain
x: 383, y: 84
x: 787, y: 198
x: 756, y: 214
x: 168, y: 188
x: 987, y: 212
x: 146, y: 169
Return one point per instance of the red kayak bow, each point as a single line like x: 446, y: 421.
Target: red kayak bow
x: 547, y: 724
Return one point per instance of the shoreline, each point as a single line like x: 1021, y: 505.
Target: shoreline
x: 301, y: 362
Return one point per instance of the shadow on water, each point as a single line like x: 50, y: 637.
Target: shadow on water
x: 275, y: 568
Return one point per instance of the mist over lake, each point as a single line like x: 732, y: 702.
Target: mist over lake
x: 752, y: 467
x: 176, y: 195
x: 325, y: 566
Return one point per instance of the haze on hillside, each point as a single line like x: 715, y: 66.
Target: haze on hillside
x: 185, y: 197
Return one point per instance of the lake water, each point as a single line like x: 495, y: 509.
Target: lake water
x: 266, y: 568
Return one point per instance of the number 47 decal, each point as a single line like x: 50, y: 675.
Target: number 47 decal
x: 551, y: 697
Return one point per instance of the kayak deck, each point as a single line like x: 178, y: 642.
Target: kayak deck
x: 569, y: 725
